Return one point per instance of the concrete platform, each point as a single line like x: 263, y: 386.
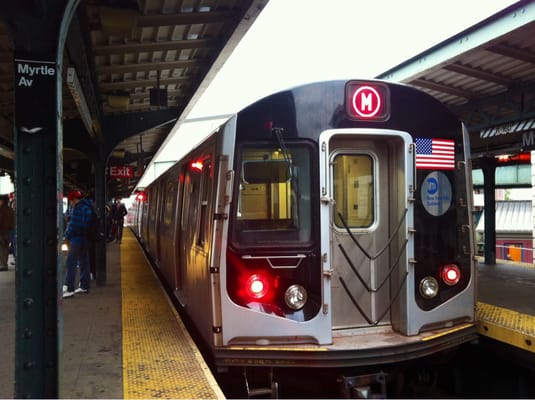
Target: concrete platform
x: 505, y: 309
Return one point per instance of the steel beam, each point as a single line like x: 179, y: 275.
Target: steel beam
x: 120, y: 127
x: 164, y: 45
x: 488, y: 165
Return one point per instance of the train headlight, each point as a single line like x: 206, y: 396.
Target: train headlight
x: 295, y: 297
x: 428, y: 287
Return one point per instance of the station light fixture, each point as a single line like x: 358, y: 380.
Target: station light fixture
x: 521, y: 158
x: 73, y: 83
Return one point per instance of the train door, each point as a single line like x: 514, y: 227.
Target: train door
x: 185, y: 236
x: 366, y: 173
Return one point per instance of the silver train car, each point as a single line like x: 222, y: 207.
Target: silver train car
x: 326, y: 226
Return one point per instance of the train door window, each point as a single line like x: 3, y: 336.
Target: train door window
x: 170, y: 199
x: 188, y: 189
x: 353, y: 190
x: 202, y: 231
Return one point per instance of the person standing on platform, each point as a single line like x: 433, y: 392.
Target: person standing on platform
x: 119, y: 212
x: 76, y: 234
x: 7, y: 224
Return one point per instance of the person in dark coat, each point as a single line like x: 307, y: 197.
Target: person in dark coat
x: 76, y: 234
x: 118, y: 214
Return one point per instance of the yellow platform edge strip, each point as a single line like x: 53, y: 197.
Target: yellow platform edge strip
x: 448, y: 332
x: 160, y: 359
x: 506, y: 326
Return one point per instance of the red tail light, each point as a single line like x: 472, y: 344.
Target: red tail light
x: 196, y: 166
x: 450, y: 274
x: 257, y: 286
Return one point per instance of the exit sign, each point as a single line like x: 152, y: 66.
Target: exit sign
x: 123, y: 171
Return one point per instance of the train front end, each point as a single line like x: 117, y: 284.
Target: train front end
x: 349, y: 235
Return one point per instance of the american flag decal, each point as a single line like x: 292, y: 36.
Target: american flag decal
x: 433, y: 153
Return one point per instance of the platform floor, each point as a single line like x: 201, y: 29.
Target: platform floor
x: 505, y: 309
x: 122, y: 340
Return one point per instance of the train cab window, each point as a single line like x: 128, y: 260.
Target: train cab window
x: 274, y: 195
x: 353, y: 190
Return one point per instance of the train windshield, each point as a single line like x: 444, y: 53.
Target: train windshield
x: 273, y: 196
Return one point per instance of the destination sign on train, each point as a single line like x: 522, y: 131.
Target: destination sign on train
x: 368, y: 101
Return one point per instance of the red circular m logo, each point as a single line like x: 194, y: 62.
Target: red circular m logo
x: 366, y: 102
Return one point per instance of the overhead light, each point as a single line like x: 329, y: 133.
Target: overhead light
x: 73, y: 83
x: 119, y: 153
x: 119, y: 101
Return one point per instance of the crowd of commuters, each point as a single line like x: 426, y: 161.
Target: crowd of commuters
x: 80, y: 221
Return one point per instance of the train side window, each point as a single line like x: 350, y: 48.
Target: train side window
x: 353, y: 190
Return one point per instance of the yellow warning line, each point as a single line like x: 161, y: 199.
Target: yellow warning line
x: 507, y: 326
x: 449, y: 331
x: 160, y: 359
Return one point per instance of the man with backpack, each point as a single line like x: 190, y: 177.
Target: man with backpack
x: 77, y: 235
x: 118, y: 214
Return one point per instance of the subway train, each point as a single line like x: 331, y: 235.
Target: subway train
x: 324, y: 227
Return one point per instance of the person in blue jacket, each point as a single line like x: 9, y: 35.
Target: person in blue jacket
x: 76, y: 234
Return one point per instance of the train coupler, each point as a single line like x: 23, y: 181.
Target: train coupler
x: 262, y: 378
x: 372, y: 386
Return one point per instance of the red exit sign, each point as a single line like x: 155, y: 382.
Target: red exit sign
x: 121, y: 171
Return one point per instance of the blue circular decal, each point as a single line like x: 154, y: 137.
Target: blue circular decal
x: 436, y: 193
x: 432, y: 185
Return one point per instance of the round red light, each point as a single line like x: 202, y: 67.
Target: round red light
x: 257, y: 286
x: 450, y: 274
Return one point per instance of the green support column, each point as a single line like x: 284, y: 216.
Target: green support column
x: 488, y: 166
x: 38, y: 32
x: 100, y: 203
x: 38, y: 197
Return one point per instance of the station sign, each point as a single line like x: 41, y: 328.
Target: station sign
x: 35, y: 87
x: 121, y: 171
x: 367, y: 101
